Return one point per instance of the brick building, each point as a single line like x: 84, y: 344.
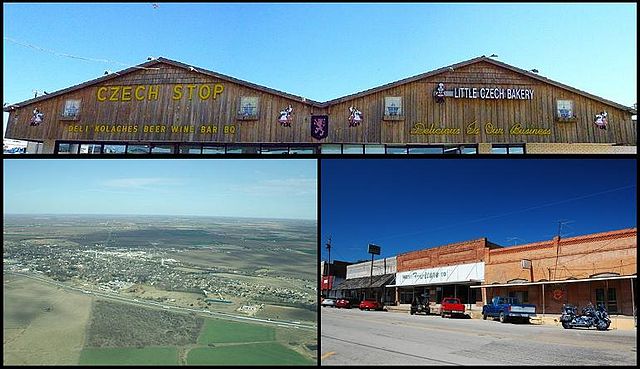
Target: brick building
x: 596, y: 268
x: 442, y: 271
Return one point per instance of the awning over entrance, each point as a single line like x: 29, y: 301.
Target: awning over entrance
x: 554, y: 282
x: 366, y: 282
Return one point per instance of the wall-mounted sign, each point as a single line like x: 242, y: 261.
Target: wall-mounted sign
x: 601, y: 120
x: 152, y: 92
x: 445, y: 274
x: 227, y: 129
x: 393, y: 106
x: 286, y: 116
x: 421, y: 129
x: 564, y: 110
x: 355, y: 116
x: 319, y: 126
x: 485, y: 93
x: 71, y: 109
x: 248, y: 107
x: 37, y: 118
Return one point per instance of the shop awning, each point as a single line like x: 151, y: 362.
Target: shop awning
x: 554, y: 282
x: 365, y: 282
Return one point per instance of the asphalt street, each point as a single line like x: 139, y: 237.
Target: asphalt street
x: 354, y: 337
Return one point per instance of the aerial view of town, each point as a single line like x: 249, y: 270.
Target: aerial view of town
x: 91, y: 289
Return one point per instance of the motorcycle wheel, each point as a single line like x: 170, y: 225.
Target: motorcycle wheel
x: 566, y: 325
x: 412, y: 312
x: 603, y: 325
x: 484, y: 316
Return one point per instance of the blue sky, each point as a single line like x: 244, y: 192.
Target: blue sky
x: 412, y: 204
x: 322, y: 50
x: 209, y: 187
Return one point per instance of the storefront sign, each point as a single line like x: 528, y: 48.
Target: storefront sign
x: 445, y: 274
x: 421, y: 129
x: 152, y: 92
x: 227, y: 129
x: 485, y: 93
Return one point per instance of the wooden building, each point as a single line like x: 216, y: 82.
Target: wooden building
x: 477, y: 106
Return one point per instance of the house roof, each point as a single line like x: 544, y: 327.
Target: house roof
x: 152, y: 63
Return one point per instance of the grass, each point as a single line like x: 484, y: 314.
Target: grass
x: 128, y: 356
x: 223, y: 331
x: 267, y: 353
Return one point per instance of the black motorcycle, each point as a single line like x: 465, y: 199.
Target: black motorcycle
x: 420, y: 304
x: 590, y: 317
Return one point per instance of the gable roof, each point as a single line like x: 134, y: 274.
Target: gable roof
x: 189, y: 68
x: 474, y: 61
x: 151, y: 64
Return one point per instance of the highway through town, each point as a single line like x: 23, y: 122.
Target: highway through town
x: 168, y: 307
x: 354, y: 337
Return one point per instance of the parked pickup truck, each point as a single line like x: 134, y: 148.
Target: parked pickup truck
x: 506, y: 308
x: 451, y: 306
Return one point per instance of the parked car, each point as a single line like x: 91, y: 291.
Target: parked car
x: 370, y: 304
x: 328, y: 302
x: 347, y: 303
x: 506, y: 308
x: 451, y: 306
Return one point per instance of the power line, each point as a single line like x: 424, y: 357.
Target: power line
x: 39, y: 48
x: 509, y: 213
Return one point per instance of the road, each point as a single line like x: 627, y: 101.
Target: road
x: 168, y: 307
x: 354, y: 337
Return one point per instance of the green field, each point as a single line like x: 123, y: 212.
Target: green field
x: 268, y: 353
x: 222, y: 331
x: 128, y: 356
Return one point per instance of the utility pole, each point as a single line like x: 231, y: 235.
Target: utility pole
x: 329, y: 251
x: 560, y: 224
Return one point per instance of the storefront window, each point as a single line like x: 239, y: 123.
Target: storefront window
x: 331, y: 149
x: 499, y: 150
x: 190, y: 149
x: 352, y: 149
x: 612, y: 302
x: 374, y: 149
x: 243, y: 150
x: 274, y: 150
x: 516, y: 149
x: 162, y: 149
x: 302, y: 150
x: 396, y: 150
x: 114, y: 149
x: 90, y: 149
x: 469, y: 150
x: 213, y: 150
x: 138, y: 149
x: 425, y: 150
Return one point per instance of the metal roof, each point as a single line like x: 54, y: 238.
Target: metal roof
x: 365, y: 282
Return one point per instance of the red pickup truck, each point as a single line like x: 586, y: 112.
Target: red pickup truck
x: 451, y: 306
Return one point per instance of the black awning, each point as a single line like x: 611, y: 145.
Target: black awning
x: 365, y: 282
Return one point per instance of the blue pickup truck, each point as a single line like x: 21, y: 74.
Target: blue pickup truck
x: 506, y: 308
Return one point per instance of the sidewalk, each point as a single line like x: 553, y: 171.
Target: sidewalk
x: 617, y: 321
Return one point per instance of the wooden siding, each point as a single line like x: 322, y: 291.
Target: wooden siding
x: 418, y: 104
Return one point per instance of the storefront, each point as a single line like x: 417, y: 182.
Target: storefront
x: 476, y: 106
x: 367, y: 280
x: 598, y: 268
x: 443, y: 271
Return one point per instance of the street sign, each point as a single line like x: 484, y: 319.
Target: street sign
x: 374, y: 249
